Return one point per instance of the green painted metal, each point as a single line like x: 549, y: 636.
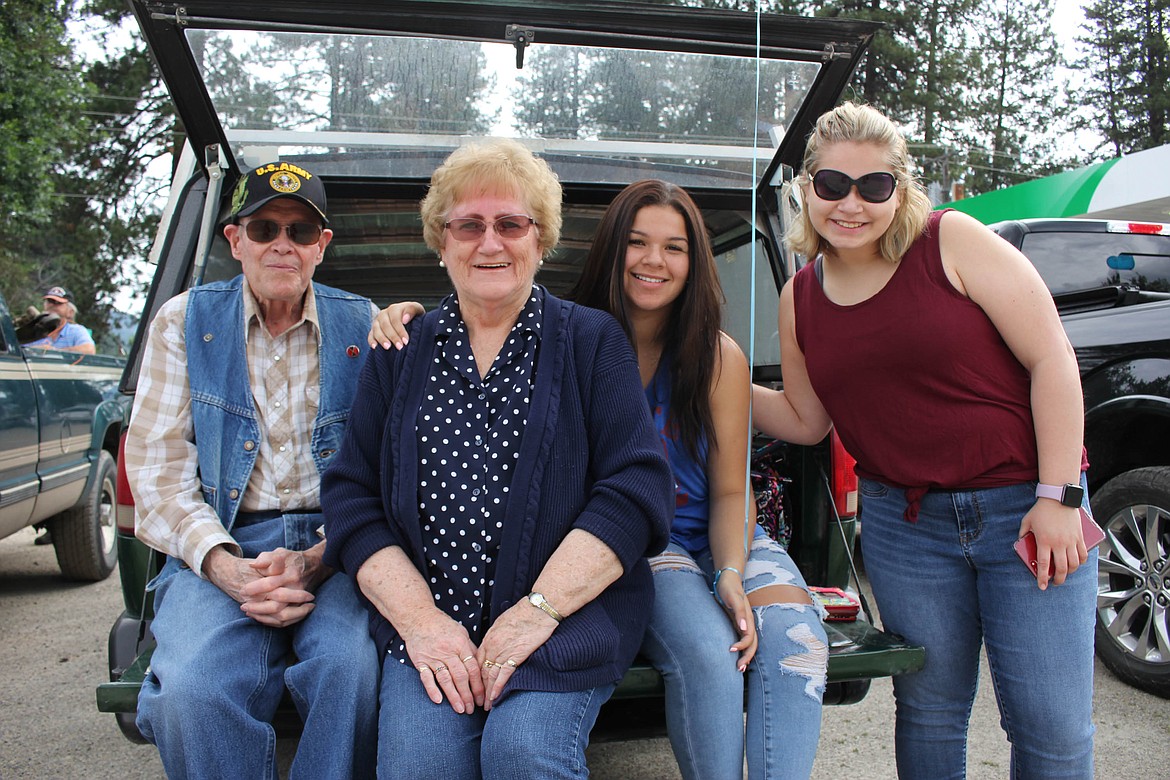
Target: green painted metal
x: 136, y: 566
x: 869, y: 653
x: 122, y: 695
x: 1066, y: 194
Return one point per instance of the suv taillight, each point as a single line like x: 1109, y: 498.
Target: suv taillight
x: 844, y: 482
x: 125, y: 511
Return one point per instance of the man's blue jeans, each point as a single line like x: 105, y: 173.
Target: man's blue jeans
x: 688, y: 642
x: 529, y: 734
x: 217, y: 676
x: 951, y: 582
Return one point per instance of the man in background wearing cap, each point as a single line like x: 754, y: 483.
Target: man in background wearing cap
x: 260, y: 371
x: 69, y: 336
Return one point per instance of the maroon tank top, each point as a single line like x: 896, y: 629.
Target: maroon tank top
x: 918, y: 382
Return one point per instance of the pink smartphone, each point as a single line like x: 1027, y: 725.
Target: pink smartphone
x: 1026, y: 544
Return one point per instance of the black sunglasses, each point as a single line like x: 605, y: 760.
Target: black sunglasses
x: 265, y: 231
x: 875, y: 187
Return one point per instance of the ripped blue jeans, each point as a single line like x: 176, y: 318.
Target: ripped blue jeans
x: 688, y: 643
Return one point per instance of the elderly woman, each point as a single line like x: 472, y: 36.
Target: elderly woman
x: 498, y: 491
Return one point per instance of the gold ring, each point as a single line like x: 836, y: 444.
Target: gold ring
x: 440, y: 668
x: 423, y: 668
x: 469, y: 658
x: 487, y: 664
x: 510, y: 663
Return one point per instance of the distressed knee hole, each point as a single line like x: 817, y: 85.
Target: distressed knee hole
x: 781, y: 595
x: 812, y: 662
x: 673, y: 561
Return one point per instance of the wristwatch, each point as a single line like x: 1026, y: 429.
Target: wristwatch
x: 537, y: 600
x: 1070, y: 495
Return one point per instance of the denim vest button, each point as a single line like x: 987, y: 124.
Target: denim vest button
x: 249, y: 445
x: 233, y: 494
x: 208, y: 337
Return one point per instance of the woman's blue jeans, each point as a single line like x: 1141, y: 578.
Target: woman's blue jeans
x: 951, y: 582
x: 688, y: 642
x: 217, y: 676
x: 528, y: 734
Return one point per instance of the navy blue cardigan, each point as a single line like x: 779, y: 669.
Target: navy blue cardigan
x: 590, y: 458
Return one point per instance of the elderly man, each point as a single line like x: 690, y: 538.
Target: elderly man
x: 68, y: 336
x: 245, y: 390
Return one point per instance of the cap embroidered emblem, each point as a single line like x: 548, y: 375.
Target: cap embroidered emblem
x: 240, y: 194
x: 284, y: 181
x: 352, y: 351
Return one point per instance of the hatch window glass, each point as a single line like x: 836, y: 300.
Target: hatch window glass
x: 1084, y: 261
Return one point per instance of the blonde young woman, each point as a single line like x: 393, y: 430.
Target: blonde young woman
x: 936, y: 351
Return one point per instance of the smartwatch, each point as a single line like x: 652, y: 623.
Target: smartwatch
x: 1070, y: 495
x: 537, y: 600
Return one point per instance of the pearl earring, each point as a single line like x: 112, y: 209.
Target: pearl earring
x: 442, y: 264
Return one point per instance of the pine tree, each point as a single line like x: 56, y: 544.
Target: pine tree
x: 1012, y: 92
x: 41, y: 96
x: 1128, y: 67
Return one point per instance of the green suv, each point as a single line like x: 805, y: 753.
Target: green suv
x: 372, y: 96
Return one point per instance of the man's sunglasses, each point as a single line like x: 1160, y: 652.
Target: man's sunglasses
x: 875, y: 187
x: 472, y: 229
x: 265, y: 231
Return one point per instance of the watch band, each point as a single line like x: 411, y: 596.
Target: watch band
x: 537, y: 600
x: 1069, y: 495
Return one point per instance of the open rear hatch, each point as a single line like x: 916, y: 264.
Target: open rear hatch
x: 372, y: 96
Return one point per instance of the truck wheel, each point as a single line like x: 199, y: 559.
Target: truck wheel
x: 84, y: 536
x: 1133, y: 580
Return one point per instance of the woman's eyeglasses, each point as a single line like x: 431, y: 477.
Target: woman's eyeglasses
x: 265, y: 231
x: 875, y: 187
x: 473, y: 229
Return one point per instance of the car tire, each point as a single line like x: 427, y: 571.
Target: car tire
x: 85, y: 537
x: 1133, y: 588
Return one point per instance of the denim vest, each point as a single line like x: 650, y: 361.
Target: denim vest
x: 222, y: 408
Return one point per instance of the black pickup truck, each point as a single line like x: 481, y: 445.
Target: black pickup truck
x: 60, y: 416
x: 607, y: 92
x: 1111, y: 283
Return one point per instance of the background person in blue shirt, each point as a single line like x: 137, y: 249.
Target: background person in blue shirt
x: 69, y: 336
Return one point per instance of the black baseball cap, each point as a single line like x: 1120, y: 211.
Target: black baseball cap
x: 275, y: 180
x: 58, y: 294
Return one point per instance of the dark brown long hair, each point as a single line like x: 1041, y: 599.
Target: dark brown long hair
x: 691, y: 335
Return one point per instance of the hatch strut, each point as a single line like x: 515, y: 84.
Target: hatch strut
x: 214, y: 167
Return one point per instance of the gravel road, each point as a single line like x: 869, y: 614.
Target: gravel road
x: 55, y: 634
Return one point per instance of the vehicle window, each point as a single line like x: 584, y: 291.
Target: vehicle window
x: 390, y: 106
x: 735, y: 274
x: 1084, y: 261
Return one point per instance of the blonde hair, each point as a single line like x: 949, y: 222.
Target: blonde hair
x: 851, y: 122
x: 497, y: 166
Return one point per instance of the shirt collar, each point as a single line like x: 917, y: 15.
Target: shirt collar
x: 308, y: 312
x: 529, y: 319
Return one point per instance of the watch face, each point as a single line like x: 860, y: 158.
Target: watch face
x: 1073, y: 495
x: 535, y: 599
